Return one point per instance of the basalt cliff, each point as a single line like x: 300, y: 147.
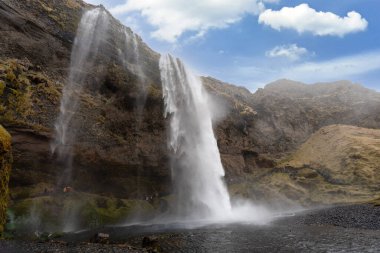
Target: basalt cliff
x: 272, y: 142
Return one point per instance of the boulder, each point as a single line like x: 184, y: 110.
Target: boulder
x: 100, y: 238
x: 151, y: 244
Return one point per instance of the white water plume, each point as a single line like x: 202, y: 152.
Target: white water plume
x: 200, y: 192
x: 91, y: 32
x: 196, y: 165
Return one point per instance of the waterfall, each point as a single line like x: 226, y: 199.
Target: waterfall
x: 142, y: 87
x: 132, y: 53
x: 131, y: 59
x: 132, y: 48
x: 91, y: 32
x: 197, y: 169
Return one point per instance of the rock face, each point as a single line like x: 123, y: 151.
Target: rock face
x: 29, y: 30
x: 120, y: 151
x: 120, y: 148
x: 5, y: 171
x: 286, y: 112
x: 235, y: 115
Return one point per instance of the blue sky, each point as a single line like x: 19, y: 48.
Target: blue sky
x: 254, y: 42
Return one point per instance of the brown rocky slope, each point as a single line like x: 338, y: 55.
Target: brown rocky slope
x: 337, y: 164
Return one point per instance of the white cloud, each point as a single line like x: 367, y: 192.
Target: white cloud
x: 132, y: 22
x: 353, y: 67
x: 335, y: 69
x: 303, y: 19
x: 172, y: 18
x: 291, y: 51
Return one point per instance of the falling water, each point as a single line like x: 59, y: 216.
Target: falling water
x: 130, y: 56
x: 196, y: 165
x: 91, y: 32
x: 132, y: 40
x: 142, y: 87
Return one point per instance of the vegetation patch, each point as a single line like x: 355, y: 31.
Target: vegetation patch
x: 5, y: 171
x: 25, y: 93
x: 56, y: 212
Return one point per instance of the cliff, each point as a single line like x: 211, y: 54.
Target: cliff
x: 262, y: 127
x: 37, y: 38
x: 288, y: 112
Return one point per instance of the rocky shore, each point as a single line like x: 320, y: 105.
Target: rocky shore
x: 303, y: 231
x: 364, y: 216
x: 61, y: 247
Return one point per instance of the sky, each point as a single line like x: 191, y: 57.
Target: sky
x: 254, y: 42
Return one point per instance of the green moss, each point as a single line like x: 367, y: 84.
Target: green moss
x: 5, y: 170
x: 72, y: 4
x: 376, y: 202
x: 16, y: 103
x: 45, y: 7
x: 25, y: 93
x: 2, y: 87
x: 88, y: 210
x: 101, y: 210
x: 5, y: 141
x: 154, y: 92
x: 58, y: 12
x: 10, y: 75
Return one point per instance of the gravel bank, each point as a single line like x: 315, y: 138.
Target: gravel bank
x: 364, y: 216
x: 62, y: 247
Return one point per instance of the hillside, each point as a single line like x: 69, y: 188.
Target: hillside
x: 285, y: 113
x: 350, y: 155
x: 337, y: 164
x: 289, y: 112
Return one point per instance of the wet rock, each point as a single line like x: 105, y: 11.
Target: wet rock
x: 101, y: 238
x: 151, y: 244
x: 42, y: 236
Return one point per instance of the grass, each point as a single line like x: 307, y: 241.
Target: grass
x: 376, y: 202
